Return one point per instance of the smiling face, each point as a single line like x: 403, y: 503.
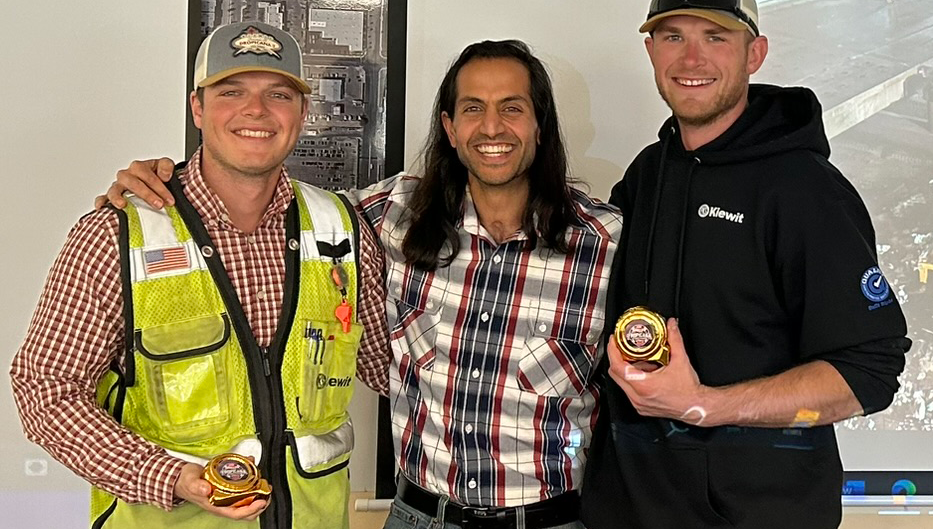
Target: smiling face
x: 702, y: 69
x: 249, y: 123
x: 493, y: 126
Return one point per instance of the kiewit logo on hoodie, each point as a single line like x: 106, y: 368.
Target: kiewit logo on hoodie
x: 716, y: 212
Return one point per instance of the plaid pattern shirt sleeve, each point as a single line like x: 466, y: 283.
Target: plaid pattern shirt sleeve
x: 372, y: 362
x: 370, y: 203
x: 75, y: 334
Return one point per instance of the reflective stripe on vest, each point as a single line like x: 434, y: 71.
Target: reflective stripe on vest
x: 323, y: 212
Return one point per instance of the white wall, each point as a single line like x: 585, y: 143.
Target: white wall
x: 86, y: 86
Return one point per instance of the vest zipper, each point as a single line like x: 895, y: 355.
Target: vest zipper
x: 265, y: 361
x: 268, y: 408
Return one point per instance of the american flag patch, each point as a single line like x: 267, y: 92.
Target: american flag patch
x: 165, y: 260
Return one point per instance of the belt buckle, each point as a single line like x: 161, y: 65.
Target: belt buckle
x: 485, y: 517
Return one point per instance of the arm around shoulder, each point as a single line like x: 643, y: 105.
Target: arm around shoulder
x: 375, y: 354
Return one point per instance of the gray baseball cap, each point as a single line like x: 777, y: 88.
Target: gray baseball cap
x: 248, y: 47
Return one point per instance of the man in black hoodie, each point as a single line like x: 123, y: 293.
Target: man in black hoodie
x: 738, y: 228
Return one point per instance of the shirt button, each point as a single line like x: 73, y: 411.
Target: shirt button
x: 224, y: 217
x: 542, y: 327
x: 484, y: 316
x: 469, y: 429
x: 398, y: 290
x: 251, y: 239
x: 472, y: 484
x: 430, y: 304
x: 475, y: 373
x: 261, y: 294
x: 496, y: 259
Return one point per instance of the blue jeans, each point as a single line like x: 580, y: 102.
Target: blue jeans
x: 402, y: 516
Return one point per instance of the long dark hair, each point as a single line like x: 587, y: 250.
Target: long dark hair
x: 436, y: 204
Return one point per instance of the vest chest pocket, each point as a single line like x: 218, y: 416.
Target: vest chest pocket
x: 328, y: 363
x: 184, y: 364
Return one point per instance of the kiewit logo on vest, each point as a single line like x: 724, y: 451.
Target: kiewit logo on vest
x: 323, y: 381
x: 716, y: 212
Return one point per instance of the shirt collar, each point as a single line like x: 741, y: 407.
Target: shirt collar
x: 470, y: 223
x: 212, y: 209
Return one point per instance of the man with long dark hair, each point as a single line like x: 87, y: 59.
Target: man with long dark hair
x: 496, y: 272
x: 497, y: 275
x: 492, y: 156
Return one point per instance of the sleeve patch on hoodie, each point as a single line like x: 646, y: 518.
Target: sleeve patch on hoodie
x: 875, y: 288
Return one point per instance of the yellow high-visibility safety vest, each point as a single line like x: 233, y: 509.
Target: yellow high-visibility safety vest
x: 197, y: 383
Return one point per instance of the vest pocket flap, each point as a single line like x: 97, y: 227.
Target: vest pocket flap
x: 319, y: 455
x: 181, y: 339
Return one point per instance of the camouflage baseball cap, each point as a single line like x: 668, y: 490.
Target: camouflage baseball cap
x: 248, y: 47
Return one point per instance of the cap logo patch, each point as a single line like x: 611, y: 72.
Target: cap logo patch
x: 254, y: 41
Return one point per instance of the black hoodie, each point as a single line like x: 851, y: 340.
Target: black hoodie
x: 766, y: 254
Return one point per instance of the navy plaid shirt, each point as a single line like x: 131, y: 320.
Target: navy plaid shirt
x: 490, y: 383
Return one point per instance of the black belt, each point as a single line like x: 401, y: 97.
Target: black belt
x: 551, y: 512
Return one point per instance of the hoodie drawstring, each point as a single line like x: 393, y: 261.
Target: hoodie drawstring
x: 654, y: 214
x: 683, y: 226
x: 683, y: 233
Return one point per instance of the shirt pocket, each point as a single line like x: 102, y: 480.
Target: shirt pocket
x: 560, y: 351
x: 416, y: 301
x: 556, y: 363
x: 564, y: 308
x: 184, y: 362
